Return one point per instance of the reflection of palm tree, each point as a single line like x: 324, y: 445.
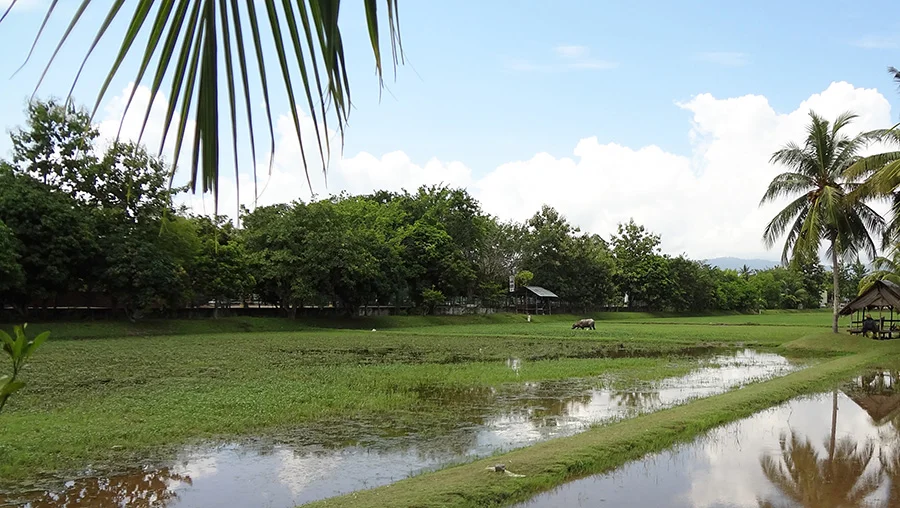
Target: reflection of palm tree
x: 838, y: 480
x: 141, y: 489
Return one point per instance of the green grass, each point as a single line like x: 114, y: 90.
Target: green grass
x: 112, y: 394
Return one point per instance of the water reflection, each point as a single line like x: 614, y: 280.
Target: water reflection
x: 141, y: 489
x: 830, y: 450
x: 357, y: 454
x: 842, y: 478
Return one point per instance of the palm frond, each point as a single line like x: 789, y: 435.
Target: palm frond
x: 776, y: 227
x: 189, y: 41
x: 787, y: 184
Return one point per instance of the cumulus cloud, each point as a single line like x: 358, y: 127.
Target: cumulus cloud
x: 704, y: 203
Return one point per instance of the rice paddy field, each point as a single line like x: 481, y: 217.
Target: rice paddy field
x: 413, y: 409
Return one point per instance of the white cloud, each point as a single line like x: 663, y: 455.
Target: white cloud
x: 877, y: 42
x: 568, y: 57
x: 111, y: 122
x: 21, y: 5
x: 571, y: 51
x: 704, y: 202
x: 724, y: 58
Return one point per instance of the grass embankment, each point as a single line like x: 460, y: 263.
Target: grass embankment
x: 551, y: 463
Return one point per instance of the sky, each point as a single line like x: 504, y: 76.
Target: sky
x: 661, y: 112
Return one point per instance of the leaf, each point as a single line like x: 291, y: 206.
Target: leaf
x: 8, y: 387
x: 321, y: 65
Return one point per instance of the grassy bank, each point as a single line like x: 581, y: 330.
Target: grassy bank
x: 548, y: 464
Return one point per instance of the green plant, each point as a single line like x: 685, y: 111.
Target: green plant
x: 431, y: 298
x: 19, y: 350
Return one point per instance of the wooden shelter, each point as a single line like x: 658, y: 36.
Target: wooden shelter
x: 534, y: 300
x: 882, y: 296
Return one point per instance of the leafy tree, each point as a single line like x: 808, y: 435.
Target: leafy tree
x: 12, y: 277
x: 274, y: 254
x: 734, y: 292
x: 306, y: 36
x: 431, y: 298
x: 641, y: 271
x: 851, y: 277
x: 823, y: 211
x: 56, y: 146
x: 694, y: 285
x: 220, y: 270
x: 56, y: 244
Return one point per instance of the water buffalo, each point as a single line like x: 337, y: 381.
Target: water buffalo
x: 584, y: 323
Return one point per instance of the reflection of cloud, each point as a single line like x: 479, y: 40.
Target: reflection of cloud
x: 297, y: 472
x: 200, y: 467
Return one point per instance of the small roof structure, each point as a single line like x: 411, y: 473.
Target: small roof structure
x: 541, y: 292
x: 883, y: 293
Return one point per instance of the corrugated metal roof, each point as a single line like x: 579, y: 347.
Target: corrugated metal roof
x: 539, y: 291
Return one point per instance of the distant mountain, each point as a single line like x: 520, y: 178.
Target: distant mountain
x: 737, y: 263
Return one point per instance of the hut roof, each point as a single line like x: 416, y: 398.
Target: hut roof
x: 883, y: 293
x: 541, y: 292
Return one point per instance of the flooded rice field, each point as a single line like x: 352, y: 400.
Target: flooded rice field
x: 839, y: 449
x: 359, y: 454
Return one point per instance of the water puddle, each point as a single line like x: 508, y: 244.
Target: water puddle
x: 360, y: 456
x: 800, y: 454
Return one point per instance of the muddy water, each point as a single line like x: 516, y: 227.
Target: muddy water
x: 362, y: 454
x: 779, y: 457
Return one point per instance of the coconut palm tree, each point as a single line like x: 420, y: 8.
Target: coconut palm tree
x: 883, y: 268
x: 196, y: 45
x: 821, y: 209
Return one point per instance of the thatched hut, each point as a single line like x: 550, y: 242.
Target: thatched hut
x: 883, y: 296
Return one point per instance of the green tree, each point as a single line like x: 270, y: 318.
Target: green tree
x: 55, y: 239
x: 307, y: 40
x: 274, y: 251
x: 824, y: 211
x: 12, y: 277
x: 642, y: 272
x: 220, y: 270
x: 56, y: 146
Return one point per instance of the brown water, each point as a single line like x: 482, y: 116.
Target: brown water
x: 778, y: 457
x: 361, y: 454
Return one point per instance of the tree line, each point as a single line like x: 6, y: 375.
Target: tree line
x: 78, y: 217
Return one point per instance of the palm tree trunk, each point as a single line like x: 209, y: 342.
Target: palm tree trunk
x: 833, y: 431
x: 835, y: 276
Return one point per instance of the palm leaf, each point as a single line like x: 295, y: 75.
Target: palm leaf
x: 304, y: 34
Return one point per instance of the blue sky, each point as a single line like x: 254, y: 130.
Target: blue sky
x: 489, y: 84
